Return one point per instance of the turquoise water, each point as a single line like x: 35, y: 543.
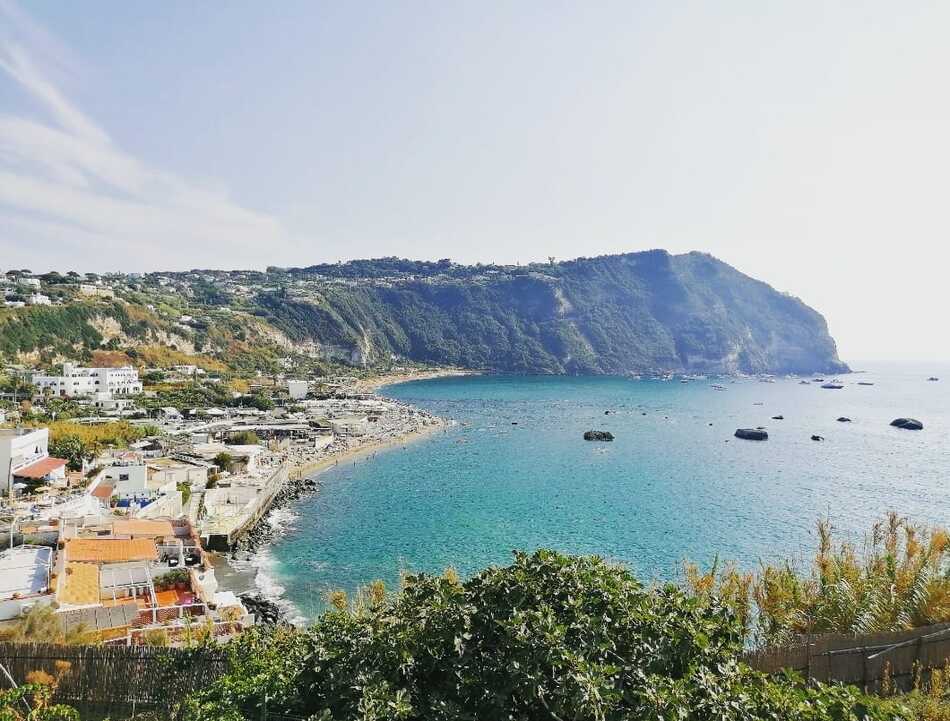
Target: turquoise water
x: 674, y: 484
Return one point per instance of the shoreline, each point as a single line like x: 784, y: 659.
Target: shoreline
x: 238, y: 570
x: 372, y: 385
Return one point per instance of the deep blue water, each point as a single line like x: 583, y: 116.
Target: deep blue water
x: 674, y: 484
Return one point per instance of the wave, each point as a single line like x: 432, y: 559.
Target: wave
x: 266, y: 580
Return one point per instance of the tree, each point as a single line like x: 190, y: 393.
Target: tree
x: 244, y: 438
x: 548, y: 637
x: 71, y: 448
x: 224, y: 461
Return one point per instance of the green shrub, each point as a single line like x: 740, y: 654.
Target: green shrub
x: 548, y: 637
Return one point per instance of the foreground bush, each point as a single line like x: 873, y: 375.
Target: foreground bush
x: 548, y: 637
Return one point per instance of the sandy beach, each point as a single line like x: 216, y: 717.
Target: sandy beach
x: 372, y: 385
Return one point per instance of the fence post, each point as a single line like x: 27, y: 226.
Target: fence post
x: 808, y: 662
x: 864, y: 669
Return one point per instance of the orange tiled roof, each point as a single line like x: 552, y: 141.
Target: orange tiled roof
x: 41, y: 468
x: 103, y: 490
x: 110, y: 550
x: 80, y: 584
x: 143, y: 528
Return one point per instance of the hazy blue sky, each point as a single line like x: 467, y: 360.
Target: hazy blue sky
x: 806, y: 143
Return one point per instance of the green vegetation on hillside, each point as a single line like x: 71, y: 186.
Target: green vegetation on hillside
x: 638, y: 312
x: 614, y: 314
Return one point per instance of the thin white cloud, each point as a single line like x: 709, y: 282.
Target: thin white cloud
x: 66, y: 187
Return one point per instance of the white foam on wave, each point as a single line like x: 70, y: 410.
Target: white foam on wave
x: 282, y: 519
x: 270, y: 587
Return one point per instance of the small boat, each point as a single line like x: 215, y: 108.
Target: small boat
x: 834, y: 385
x: 933, y: 378
x: 865, y: 383
x: 804, y: 383
x: 717, y: 387
x: 819, y: 380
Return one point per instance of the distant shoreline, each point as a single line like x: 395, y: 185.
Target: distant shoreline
x: 372, y: 385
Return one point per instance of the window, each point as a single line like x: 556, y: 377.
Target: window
x: 123, y: 476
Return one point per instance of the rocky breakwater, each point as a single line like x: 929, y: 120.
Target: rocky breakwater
x: 264, y: 530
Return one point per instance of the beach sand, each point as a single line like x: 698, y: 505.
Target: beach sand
x: 372, y: 385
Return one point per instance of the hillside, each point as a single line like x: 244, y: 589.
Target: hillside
x: 631, y: 313
x: 637, y: 312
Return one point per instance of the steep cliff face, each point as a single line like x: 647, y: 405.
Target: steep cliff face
x: 614, y: 314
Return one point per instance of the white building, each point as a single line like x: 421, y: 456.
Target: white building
x: 24, y: 456
x: 24, y: 579
x: 40, y: 299
x: 95, y: 291
x: 107, y: 405
x: 30, y: 282
x: 298, y: 389
x: 127, y: 480
x: 77, y: 381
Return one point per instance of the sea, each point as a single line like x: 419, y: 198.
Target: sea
x: 514, y: 472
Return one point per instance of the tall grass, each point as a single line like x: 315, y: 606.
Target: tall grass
x: 897, y: 579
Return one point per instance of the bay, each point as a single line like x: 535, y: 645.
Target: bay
x: 515, y: 473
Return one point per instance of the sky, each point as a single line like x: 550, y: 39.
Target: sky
x: 806, y: 143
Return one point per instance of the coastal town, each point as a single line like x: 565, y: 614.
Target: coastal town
x: 117, y: 518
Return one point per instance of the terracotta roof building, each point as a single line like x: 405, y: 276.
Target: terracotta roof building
x: 110, y: 550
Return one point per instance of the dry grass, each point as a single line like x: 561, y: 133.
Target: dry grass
x: 898, y: 579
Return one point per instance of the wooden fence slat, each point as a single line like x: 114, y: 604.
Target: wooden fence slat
x: 114, y: 678
x: 862, y: 660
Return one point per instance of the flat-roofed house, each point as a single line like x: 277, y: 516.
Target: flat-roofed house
x: 24, y: 579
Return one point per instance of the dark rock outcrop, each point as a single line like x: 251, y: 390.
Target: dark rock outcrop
x: 598, y: 436
x: 817, y: 438
x: 908, y: 424
x: 752, y: 434
x: 266, y: 612
x: 844, y: 419
x: 778, y: 418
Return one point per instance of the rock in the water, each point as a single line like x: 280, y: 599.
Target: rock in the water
x: 598, y: 436
x: 817, y: 438
x: 844, y: 419
x: 778, y: 418
x: 908, y: 424
x: 752, y: 434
